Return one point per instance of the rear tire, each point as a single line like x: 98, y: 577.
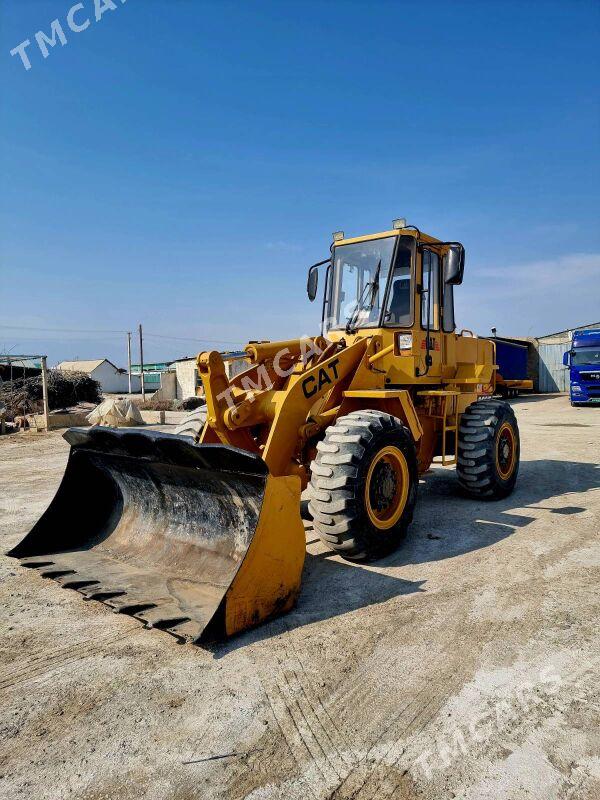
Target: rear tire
x: 363, y: 487
x: 488, y: 450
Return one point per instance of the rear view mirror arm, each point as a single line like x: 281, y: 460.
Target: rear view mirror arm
x: 313, y: 270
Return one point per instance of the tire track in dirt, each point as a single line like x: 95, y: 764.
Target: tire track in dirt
x: 48, y: 661
x: 290, y: 691
x: 495, y: 632
x: 370, y: 763
x: 428, y: 701
x: 326, y: 722
x: 307, y: 730
x: 289, y: 694
x: 339, y: 744
x: 51, y: 727
x: 283, y: 696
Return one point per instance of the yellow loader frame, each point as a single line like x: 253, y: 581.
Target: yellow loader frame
x: 277, y: 417
x: 205, y: 539
x: 293, y: 391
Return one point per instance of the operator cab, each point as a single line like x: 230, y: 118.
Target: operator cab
x: 372, y: 281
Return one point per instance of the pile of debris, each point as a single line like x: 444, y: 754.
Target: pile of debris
x: 65, y: 389
x: 115, y: 413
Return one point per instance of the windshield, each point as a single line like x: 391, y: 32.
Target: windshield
x: 586, y: 355
x: 360, y: 273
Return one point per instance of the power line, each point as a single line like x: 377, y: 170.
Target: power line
x: 60, y: 330
x: 115, y: 332
x: 188, y: 339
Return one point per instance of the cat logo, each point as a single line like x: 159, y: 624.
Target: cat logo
x: 314, y: 383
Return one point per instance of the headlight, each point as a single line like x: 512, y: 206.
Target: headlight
x: 405, y: 341
x: 575, y: 388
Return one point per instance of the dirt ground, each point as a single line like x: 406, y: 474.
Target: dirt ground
x: 465, y: 665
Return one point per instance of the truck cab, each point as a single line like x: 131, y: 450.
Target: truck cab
x: 583, y: 361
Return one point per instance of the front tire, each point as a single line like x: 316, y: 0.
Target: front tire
x: 488, y: 450
x: 363, y: 486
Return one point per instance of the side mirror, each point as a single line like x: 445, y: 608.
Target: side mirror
x: 566, y: 359
x: 312, y: 283
x: 454, y: 264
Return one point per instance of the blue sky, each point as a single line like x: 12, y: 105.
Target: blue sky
x: 181, y: 163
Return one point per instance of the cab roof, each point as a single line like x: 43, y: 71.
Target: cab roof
x: 422, y: 237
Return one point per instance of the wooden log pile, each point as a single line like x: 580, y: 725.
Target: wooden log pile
x: 65, y: 389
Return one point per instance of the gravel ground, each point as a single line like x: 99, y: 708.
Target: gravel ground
x: 465, y: 665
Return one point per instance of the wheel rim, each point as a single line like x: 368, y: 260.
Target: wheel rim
x: 386, y: 488
x: 505, y: 451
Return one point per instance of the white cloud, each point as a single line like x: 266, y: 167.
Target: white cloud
x: 531, y: 298
x: 284, y: 246
x: 547, y: 272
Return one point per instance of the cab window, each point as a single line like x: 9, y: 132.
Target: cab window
x: 430, y: 296
x: 399, y: 302
x: 448, y: 322
x: 360, y: 273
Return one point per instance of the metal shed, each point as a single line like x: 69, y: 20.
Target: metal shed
x: 553, y: 376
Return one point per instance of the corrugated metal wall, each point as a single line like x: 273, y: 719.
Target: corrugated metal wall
x: 553, y: 377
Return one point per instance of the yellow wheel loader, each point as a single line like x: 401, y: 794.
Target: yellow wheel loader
x: 204, y: 538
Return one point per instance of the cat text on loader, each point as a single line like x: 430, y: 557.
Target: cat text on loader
x: 204, y: 539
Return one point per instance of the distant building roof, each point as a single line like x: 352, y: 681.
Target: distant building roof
x: 184, y: 358
x: 152, y: 366
x: 225, y: 353
x: 569, y: 330
x: 84, y: 366
x: 30, y: 362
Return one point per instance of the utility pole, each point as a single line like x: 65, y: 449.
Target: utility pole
x: 45, y: 393
x: 129, y: 358
x: 142, y: 363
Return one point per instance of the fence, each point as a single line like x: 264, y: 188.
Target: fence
x: 27, y: 361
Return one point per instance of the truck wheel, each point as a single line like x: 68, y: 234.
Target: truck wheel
x: 488, y: 449
x: 363, y: 486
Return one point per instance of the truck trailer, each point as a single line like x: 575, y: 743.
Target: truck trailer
x: 511, y: 375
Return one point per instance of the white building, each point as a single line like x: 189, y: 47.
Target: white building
x: 188, y: 383
x: 112, y: 380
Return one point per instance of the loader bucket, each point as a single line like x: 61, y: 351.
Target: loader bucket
x: 198, y: 540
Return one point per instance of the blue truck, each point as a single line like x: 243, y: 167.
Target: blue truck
x: 584, y: 362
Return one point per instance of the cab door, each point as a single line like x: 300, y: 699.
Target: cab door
x: 448, y: 327
x: 430, y: 334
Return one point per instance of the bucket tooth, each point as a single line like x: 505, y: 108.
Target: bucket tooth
x: 132, y: 609
x: 188, y: 631
x: 34, y: 563
x: 101, y: 593
x: 162, y: 616
x: 125, y: 604
x: 77, y: 582
x: 56, y: 573
x: 168, y: 623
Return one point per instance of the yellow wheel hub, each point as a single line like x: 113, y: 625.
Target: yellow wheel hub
x: 506, y: 451
x: 386, y: 487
